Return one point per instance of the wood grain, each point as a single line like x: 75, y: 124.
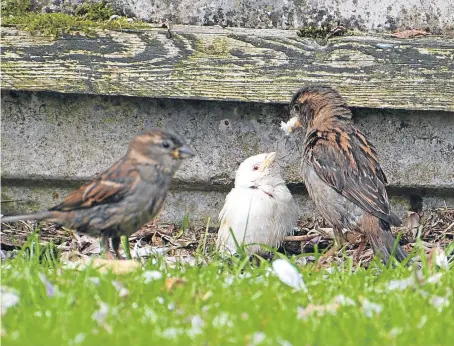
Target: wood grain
x: 233, y: 64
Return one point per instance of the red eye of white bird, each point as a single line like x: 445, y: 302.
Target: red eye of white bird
x: 256, y: 167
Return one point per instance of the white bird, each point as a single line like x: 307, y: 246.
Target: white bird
x: 259, y: 210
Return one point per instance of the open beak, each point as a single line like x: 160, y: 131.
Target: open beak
x: 270, y: 158
x: 183, y: 152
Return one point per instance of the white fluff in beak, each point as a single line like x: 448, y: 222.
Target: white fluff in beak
x: 290, y: 125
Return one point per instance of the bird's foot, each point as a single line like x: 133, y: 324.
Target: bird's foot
x: 359, y: 251
x: 118, y: 255
x: 324, y: 259
x: 109, y: 255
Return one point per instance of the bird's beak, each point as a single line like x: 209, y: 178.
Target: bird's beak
x: 183, y: 152
x: 270, y: 158
x: 297, y: 124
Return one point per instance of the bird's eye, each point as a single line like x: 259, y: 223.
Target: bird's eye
x: 255, y: 168
x: 166, y: 144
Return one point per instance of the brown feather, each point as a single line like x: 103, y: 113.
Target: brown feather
x: 103, y: 189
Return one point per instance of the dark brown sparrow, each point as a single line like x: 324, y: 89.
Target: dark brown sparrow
x: 341, y: 170
x: 125, y: 196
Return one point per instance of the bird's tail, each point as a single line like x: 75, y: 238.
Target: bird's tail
x: 382, y: 241
x: 44, y: 215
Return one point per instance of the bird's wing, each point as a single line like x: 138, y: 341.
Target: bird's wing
x: 110, y: 186
x: 234, y: 217
x: 348, y: 162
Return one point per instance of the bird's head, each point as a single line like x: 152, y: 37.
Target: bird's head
x: 320, y: 105
x: 258, y: 170
x: 160, y: 147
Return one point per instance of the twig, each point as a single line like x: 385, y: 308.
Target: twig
x: 335, y: 31
x: 166, y: 24
x: 301, y: 237
x: 448, y: 228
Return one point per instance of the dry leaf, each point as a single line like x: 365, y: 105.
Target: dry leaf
x: 413, y: 223
x: 116, y: 266
x: 171, y: 283
x: 320, y: 310
x: 410, y: 33
x: 437, y: 257
x: 104, y: 265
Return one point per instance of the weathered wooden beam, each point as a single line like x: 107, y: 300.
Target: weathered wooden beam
x: 213, y: 63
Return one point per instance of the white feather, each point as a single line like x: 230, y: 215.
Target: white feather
x: 252, y: 214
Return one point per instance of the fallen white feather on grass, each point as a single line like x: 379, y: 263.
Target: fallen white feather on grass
x: 415, y: 280
x: 439, y: 303
x: 172, y: 333
x: 196, y: 326
x: 370, y: 309
x: 283, y: 342
x: 94, y: 280
x: 257, y: 338
x: 122, y: 291
x: 50, y: 289
x: 441, y: 259
x: 101, y: 314
x: 288, y: 274
x: 8, y: 298
x: 434, y: 278
x: 344, y: 301
x: 151, y: 275
x: 222, y: 321
x: 78, y: 339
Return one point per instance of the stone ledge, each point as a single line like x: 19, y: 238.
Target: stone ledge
x: 73, y: 137
x: 199, y: 205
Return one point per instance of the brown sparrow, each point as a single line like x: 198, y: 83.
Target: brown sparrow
x: 259, y: 209
x: 125, y: 196
x: 341, y: 170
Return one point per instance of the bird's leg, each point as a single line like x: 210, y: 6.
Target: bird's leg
x: 361, y: 246
x: 339, y: 237
x: 116, y: 246
x: 339, y: 242
x: 106, y: 248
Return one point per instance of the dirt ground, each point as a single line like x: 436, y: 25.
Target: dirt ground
x: 434, y: 228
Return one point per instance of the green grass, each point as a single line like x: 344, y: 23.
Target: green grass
x: 221, y: 303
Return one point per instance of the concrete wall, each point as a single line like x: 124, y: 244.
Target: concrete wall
x: 53, y: 142
x: 370, y: 15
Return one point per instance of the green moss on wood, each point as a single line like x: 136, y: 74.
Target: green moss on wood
x: 87, y: 18
x: 218, y: 47
x: 14, y: 8
x: 314, y: 32
x: 321, y: 33
x: 100, y: 11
